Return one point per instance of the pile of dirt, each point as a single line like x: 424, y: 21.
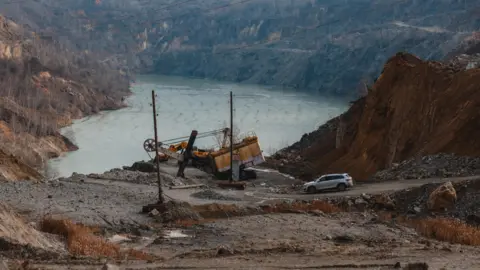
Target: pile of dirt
x: 186, y: 214
x: 441, y: 165
x: 458, y: 200
x: 210, y: 194
x: 136, y: 177
x: 173, y: 211
x: 141, y: 166
x: 415, y: 108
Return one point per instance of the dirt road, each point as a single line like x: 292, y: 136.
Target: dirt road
x: 358, y: 189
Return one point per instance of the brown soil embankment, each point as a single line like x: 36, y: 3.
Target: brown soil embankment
x: 415, y: 108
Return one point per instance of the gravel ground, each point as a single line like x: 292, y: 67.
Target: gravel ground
x: 340, y: 240
x: 104, y: 204
x: 301, y: 241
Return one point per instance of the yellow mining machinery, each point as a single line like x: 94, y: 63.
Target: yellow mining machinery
x: 246, y: 152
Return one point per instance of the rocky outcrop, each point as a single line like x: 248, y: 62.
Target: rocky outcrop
x: 443, y: 197
x: 415, y: 108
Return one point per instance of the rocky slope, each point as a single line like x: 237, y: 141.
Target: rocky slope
x: 415, y: 108
x: 43, y: 87
x: 325, y: 46
x: 436, y: 166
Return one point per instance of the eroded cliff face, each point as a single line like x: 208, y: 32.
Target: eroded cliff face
x: 42, y: 89
x: 415, y: 108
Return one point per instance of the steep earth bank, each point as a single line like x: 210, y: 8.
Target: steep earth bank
x: 415, y: 108
x: 42, y: 88
x: 326, y: 46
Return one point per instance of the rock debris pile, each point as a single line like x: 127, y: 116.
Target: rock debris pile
x: 441, y: 165
x: 126, y: 175
x: 140, y: 172
x: 458, y: 200
x: 210, y: 194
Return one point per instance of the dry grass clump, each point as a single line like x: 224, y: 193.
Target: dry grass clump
x: 448, y: 230
x: 81, y: 240
x: 442, y: 229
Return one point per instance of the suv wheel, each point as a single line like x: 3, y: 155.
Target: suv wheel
x: 341, y: 187
x: 311, y: 190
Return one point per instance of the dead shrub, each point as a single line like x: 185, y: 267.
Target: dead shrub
x: 82, y: 241
x: 442, y: 229
x: 448, y: 230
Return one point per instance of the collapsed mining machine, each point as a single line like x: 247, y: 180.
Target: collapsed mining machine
x: 216, y: 162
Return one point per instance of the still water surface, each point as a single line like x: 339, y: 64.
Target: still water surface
x: 114, y: 139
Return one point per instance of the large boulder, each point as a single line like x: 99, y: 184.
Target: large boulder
x: 444, y: 197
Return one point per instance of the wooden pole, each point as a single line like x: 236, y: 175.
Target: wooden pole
x: 231, y: 136
x: 157, y: 159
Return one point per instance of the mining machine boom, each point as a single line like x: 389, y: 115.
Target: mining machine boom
x: 215, y: 162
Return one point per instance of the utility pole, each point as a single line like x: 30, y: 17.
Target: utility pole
x: 157, y: 161
x: 231, y: 136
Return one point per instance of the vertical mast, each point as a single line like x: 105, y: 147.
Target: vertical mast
x: 157, y: 159
x: 231, y: 136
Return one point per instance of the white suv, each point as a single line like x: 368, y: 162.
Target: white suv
x: 329, y: 181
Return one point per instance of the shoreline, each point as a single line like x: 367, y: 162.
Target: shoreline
x: 71, y: 146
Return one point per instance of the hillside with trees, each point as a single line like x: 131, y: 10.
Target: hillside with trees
x: 319, y: 46
x: 43, y: 87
